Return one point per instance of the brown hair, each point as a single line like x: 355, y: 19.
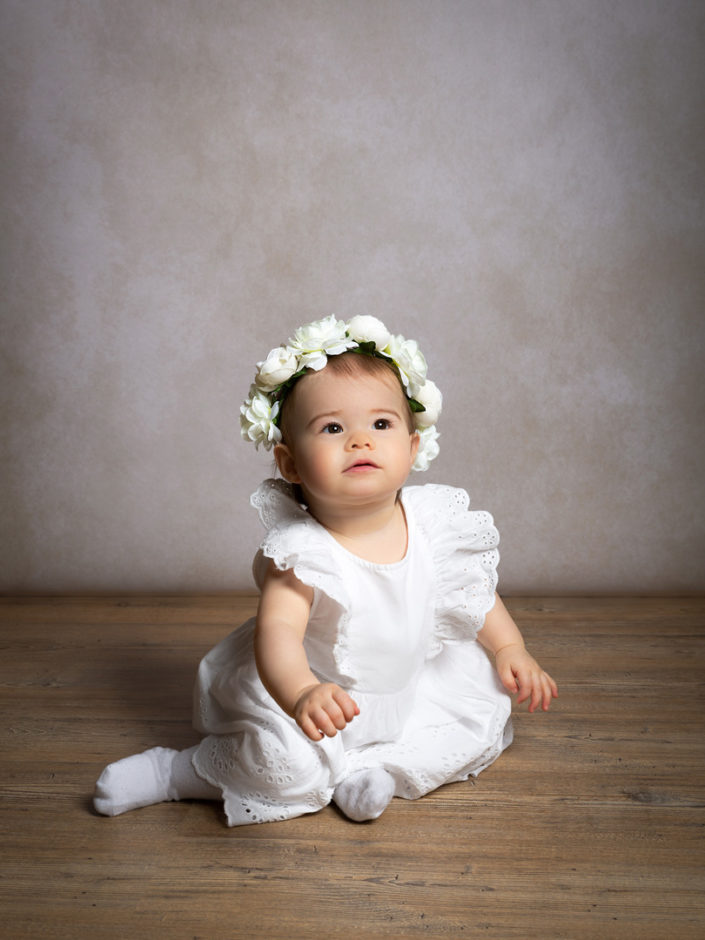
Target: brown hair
x: 353, y: 365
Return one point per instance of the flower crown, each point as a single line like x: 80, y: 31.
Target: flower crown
x: 309, y: 349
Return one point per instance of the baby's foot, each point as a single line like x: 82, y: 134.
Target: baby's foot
x: 135, y: 781
x: 365, y: 795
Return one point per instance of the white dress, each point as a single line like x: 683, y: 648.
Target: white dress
x: 400, y: 638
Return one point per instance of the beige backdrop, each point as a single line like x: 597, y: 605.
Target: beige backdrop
x: 517, y: 184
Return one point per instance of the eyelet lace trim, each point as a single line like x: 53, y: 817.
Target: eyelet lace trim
x: 463, y: 546
x: 465, y: 557
x: 296, y: 541
x: 276, y: 778
x: 267, y: 778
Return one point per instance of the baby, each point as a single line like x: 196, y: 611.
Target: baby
x: 365, y: 674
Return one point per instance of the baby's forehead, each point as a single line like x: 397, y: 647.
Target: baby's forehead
x: 345, y: 386
x: 340, y: 384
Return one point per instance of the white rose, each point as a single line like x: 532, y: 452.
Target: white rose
x: 410, y: 361
x: 429, y: 395
x: 365, y: 329
x: 316, y: 341
x: 277, y: 368
x: 257, y: 416
x: 428, y: 448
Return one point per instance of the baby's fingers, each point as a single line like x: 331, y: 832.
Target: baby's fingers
x: 310, y: 728
x: 536, y: 695
x: 348, y: 706
x: 529, y: 684
x: 508, y: 679
x: 525, y: 688
x: 543, y: 690
x: 321, y: 722
x: 550, y: 690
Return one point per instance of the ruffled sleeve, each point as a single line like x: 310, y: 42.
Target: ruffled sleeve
x: 296, y: 541
x: 463, y: 546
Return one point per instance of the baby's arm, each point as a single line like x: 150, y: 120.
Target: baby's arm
x: 282, y: 617
x: 517, y: 669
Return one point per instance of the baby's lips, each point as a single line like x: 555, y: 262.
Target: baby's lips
x: 363, y: 463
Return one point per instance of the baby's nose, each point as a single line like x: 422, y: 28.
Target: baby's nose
x: 359, y: 439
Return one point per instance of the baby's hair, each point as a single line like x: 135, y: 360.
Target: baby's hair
x: 352, y: 364
x: 313, y: 348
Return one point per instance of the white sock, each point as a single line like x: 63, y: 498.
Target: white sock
x: 365, y: 795
x: 155, y: 776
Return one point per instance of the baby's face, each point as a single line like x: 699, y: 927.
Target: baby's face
x: 349, y: 439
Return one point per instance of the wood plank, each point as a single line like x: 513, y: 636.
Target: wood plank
x: 590, y: 825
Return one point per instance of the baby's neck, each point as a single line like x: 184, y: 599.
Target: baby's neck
x: 378, y: 534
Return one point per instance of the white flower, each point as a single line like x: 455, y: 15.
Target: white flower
x: 410, y: 362
x: 257, y: 416
x: 277, y: 368
x: 365, y: 329
x: 316, y: 341
x: 430, y: 397
x: 428, y: 448
x: 310, y: 348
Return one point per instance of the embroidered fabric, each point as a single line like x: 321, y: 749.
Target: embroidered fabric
x: 463, y: 545
x: 295, y: 541
x: 448, y: 722
x: 464, y: 548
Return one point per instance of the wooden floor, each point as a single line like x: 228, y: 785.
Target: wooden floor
x: 590, y: 825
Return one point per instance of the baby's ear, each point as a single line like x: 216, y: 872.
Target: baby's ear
x: 286, y: 463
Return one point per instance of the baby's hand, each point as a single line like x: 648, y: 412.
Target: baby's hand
x: 324, y: 708
x: 520, y: 672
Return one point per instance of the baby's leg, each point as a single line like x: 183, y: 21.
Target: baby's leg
x: 365, y: 795
x: 155, y: 776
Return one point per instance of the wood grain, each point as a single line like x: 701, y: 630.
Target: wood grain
x: 590, y: 825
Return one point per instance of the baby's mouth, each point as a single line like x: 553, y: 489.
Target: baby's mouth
x: 362, y: 465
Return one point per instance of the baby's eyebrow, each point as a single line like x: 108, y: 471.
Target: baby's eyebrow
x: 386, y: 411
x: 322, y: 415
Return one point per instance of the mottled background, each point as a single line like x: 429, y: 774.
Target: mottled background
x: 516, y: 184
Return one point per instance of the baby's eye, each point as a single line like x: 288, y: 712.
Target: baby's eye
x: 382, y: 424
x: 332, y: 428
